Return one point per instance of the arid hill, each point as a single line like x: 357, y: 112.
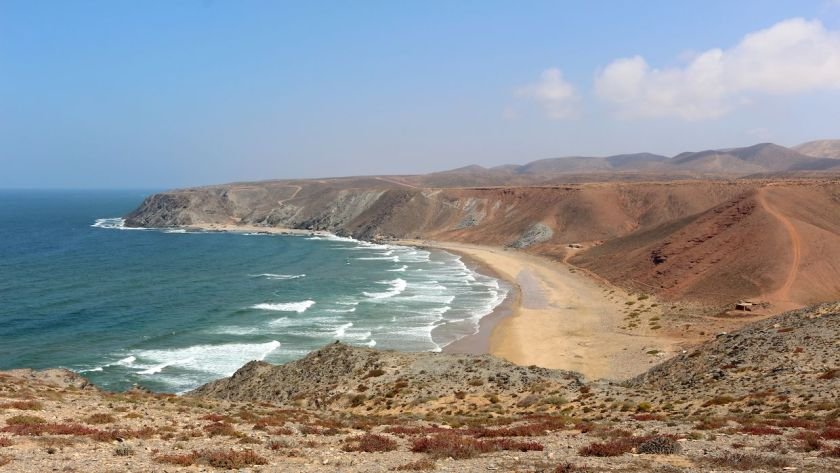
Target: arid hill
x: 769, y: 242
x: 820, y: 149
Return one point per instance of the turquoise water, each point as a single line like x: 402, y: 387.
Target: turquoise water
x: 170, y: 310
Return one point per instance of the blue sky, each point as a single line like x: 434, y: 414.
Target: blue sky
x: 175, y: 93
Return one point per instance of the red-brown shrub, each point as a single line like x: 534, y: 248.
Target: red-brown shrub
x: 760, y: 430
x: 612, y: 448
x: 369, y: 443
x: 830, y: 433
x: 449, y: 444
x: 180, y: 459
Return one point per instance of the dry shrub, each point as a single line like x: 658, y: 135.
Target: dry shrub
x: 23, y: 405
x: 515, y: 445
x: 830, y: 433
x: 719, y: 401
x: 221, y: 428
x: 100, y: 419
x: 758, y: 429
x: 279, y: 444
x: 123, y: 451
x: 216, y: 418
x: 374, y: 373
x: 833, y: 453
x: 4, y: 460
x: 612, y: 448
x: 120, y: 434
x: 34, y: 429
x: 710, y: 423
x: 526, y: 430
x: 179, y: 459
x: 646, y: 417
x: 796, y: 423
x: 450, y: 444
x: 229, y: 459
x: 833, y: 373
x: 369, y: 443
x: 25, y: 420
x: 414, y: 430
x: 660, y: 445
x: 810, y: 441
x: 5, y: 442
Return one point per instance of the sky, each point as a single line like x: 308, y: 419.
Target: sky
x: 159, y: 94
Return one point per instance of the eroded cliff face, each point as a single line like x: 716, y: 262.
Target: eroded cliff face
x: 718, y: 244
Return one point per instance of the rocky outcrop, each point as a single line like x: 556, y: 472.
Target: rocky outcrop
x: 343, y: 376
x: 795, y: 355
x: 55, y: 377
x: 537, y: 233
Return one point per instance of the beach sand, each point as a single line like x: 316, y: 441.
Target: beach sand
x: 558, y: 317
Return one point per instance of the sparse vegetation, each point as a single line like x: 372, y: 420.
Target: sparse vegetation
x: 228, y: 459
x: 746, y: 461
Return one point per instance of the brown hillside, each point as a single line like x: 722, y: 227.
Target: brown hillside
x: 765, y: 243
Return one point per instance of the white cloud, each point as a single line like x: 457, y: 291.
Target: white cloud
x: 791, y: 57
x: 557, y: 96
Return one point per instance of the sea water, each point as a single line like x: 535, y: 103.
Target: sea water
x: 171, y: 309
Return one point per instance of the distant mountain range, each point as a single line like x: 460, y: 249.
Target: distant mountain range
x: 763, y: 158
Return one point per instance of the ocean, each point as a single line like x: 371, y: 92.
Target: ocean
x: 170, y: 310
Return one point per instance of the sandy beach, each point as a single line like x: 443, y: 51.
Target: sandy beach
x: 558, y: 317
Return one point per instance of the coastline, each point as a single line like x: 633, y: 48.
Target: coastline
x: 553, y: 316
x: 558, y: 317
x: 479, y: 342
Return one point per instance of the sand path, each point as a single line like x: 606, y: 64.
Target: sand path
x: 565, y: 319
x: 783, y: 293
x: 294, y: 194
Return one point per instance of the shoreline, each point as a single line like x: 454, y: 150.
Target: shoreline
x: 558, y: 318
x: 476, y: 344
x: 479, y: 342
x: 554, y: 316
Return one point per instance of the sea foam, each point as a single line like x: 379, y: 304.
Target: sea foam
x: 279, y: 277
x: 221, y: 360
x: 299, y: 307
x: 397, y: 287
